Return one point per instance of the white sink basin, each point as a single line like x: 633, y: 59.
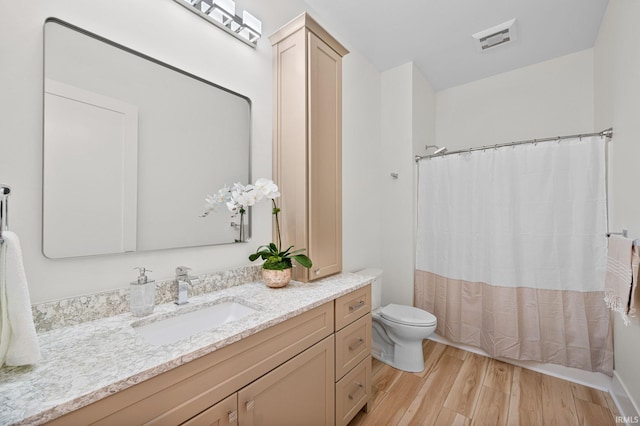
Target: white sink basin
x: 178, y: 327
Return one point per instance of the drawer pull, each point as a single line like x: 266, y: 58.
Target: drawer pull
x: 249, y: 405
x: 357, y: 306
x: 233, y: 416
x: 351, y: 395
x: 356, y: 344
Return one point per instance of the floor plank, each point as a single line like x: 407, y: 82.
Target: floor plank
x: 450, y: 417
x: 396, y: 401
x: 591, y: 414
x: 492, y: 408
x: 558, y: 404
x: 466, y: 388
x: 424, y: 408
x: 463, y: 388
x: 588, y: 394
x: 499, y: 376
x: 525, y: 406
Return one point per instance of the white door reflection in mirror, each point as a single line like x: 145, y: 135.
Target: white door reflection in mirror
x: 91, y: 205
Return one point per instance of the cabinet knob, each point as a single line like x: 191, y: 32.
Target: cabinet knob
x: 352, y: 395
x: 233, y: 416
x: 249, y: 405
x: 317, y: 271
x: 357, y: 306
x: 356, y: 344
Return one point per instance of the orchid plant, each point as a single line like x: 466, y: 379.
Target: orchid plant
x: 240, y: 197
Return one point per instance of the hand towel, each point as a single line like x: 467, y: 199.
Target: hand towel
x: 634, y: 300
x: 18, y: 339
x: 618, y: 278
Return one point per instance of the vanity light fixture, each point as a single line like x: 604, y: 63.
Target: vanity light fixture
x: 222, y: 13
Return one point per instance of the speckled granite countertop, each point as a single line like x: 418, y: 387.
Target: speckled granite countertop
x: 84, y: 363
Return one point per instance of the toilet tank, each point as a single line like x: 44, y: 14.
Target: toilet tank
x: 376, y: 285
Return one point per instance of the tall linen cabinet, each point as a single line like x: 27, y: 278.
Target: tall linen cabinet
x: 307, y: 143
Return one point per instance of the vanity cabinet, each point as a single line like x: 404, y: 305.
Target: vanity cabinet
x: 353, y: 354
x: 312, y: 369
x: 307, y: 143
x: 299, y: 392
x: 179, y: 394
x: 224, y: 413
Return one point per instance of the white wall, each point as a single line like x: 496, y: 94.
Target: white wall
x: 396, y: 199
x: 617, y: 100
x: 408, y: 106
x: 361, y: 160
x: 166, y: 31
x: 542, y: 100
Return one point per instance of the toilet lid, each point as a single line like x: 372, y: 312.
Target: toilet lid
x: 407, y: 315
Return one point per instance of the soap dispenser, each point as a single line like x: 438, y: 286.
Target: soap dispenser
x: 142, y: 297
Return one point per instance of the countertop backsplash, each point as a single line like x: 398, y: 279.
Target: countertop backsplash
x: 76, y: 310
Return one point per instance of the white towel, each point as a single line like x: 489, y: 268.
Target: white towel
x: 618, y: 280
x: 634, y: 300
x: 18, y: 339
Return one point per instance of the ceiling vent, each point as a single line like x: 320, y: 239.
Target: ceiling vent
x: 495, y: 36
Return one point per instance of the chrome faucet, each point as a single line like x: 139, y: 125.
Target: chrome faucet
x: 184, y: 282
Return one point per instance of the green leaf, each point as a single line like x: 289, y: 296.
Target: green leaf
x: 273, y: 248
x: 284, y: 253
x: 296, y: 252
x: 303, y: 260
x: 254, y: 256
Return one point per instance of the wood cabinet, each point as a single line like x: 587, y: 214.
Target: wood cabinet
x: 300, y: 392
x: 224, y: 413
x: 179, y: 394
x: 307, y: 142
x: 303, y: 371
x: 353, y: 354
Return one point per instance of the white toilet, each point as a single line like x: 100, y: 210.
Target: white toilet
x: 398, y: 330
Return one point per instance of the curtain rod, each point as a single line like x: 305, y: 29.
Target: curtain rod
x: 608, y: 133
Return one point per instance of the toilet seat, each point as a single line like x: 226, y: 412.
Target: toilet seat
x: 408, y: 315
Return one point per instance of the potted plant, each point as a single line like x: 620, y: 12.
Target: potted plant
x: 276, y: 269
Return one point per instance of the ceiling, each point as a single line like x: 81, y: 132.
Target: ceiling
x: 436, y: 35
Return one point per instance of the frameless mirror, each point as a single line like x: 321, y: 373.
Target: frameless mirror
x: 131, y: 148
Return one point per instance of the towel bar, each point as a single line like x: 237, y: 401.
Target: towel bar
x: 625, y: 234
x: 5, y: 190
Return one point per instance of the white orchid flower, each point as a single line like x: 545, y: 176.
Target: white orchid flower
x: 222, y: 196
x: 267, y: 188
x: 233, y: 207
x: 209, y: 205
x: 238, y: 197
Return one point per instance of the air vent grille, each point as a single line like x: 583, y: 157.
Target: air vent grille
x: 495, y: 36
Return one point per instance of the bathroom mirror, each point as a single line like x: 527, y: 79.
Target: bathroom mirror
x: 131, y: 148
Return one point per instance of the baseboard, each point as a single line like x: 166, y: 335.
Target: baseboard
x: 626, y: 405
x: 587, y: 378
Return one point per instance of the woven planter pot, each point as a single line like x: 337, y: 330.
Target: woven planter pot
x: 275, y: 278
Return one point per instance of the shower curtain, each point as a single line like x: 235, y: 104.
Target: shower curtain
x: 511, y: 251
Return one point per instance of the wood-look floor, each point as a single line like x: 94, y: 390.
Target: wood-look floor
x: 462, y: 388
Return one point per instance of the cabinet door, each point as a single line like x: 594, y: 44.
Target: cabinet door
x: 325, y: 159
x: 224, y: 413
x: 299, y: 392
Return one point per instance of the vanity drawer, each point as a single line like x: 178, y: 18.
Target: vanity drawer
x: 353, y: 392
x: 352, y: 306
x: 353, y: 344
